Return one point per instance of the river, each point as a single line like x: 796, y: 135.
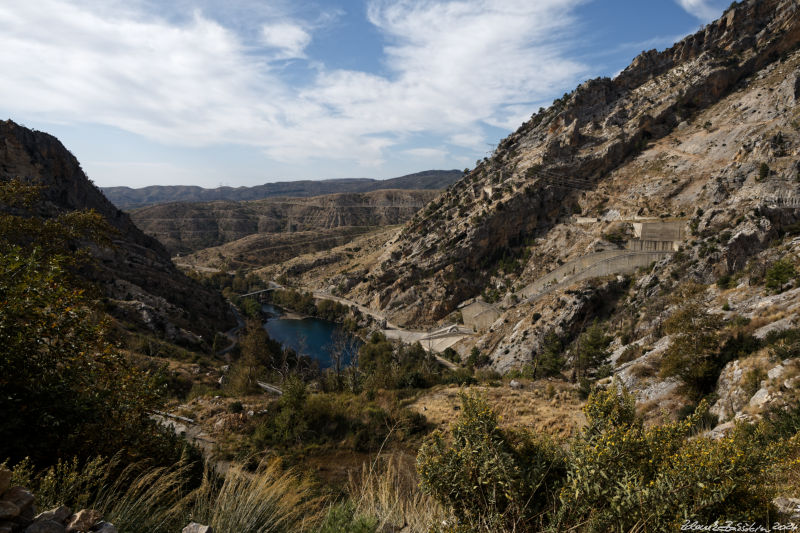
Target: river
x: 310, y: 336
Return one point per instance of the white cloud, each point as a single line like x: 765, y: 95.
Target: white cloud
x: 454, y: 66
x: 289, y: 38
x: 427, y: 153
x: 705, y: 10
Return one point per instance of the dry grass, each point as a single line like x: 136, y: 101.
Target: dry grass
x: 269, y: 500
x: 388, y: 489
x: 150, y: 502
x: 557, y: 412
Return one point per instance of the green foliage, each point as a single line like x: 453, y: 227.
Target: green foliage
x: 258, y: 354
x: 625, y: 477
x: 491, y: 480
x: 763, y: 172
x: 779, y: 274
x: 295, y: 300
x: 693, y: 354
x: 342, y: 518
x: 251, y: 307
x: 65, y: 390
x: 551, y: 361
x: 301, y: 419
x: 592, y: 348
x: 451, y: 355
x: 387, y: 366
x: 725, y: 281
x: 477, y: 359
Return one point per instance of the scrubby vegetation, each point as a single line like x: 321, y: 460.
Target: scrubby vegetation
x: 617, y: 475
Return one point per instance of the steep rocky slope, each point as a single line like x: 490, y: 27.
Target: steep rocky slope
x: 564, y: 159
x: 128, y: 198
x: 684, y: 169
x: 188, y: 227
x: 141, y: 282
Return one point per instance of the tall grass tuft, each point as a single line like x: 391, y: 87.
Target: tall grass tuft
x: 146, y: 499
x: 388, y: 489
x: 270, y: 500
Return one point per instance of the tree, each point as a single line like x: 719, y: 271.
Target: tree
x: 343, y: 351
x: 592, y: 349
x: 65, y: 390
x: 253, y: 363
x: 550, y: 361
x: 692, y: 355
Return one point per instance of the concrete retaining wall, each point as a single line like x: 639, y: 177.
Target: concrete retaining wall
x: 479, y: 315
x: 626, y: 263
x: 652, y: 246
x: 569, y: 269
x: 659, y: 231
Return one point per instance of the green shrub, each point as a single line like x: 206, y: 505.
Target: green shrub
x: 625, y: 477
x: 779, y: 274
x: 490, y: 479
x: 763, y: 172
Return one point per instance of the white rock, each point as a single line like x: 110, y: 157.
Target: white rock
x: 776, y: 372
x: 760, y: 398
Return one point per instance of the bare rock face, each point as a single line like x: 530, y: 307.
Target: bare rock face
x: 136, y: 258
x: 539, y: 172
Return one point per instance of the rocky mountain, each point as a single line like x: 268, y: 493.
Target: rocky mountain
x: 142, y: 284
x: 677, y: 130
x: 188, y: 227
x: 663, y: 205
x: 128, y: 198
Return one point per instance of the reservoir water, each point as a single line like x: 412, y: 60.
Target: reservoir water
x: 310, y: 336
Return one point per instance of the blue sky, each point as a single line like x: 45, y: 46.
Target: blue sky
x: 243, y: 92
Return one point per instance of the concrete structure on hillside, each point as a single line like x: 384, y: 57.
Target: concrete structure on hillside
x: 478, y: 314
x: 659, y: 231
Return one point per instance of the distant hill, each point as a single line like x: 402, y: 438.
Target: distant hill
x: 185, y: 227
x: 127, y: 198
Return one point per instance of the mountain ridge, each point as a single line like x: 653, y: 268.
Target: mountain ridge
x: 128, y: 198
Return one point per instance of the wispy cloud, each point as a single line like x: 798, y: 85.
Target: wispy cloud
x: 705, y: 10
x: 288, y: 38
x: 454, y: 66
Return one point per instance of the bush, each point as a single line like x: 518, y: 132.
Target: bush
x: 763, y: 172
x: 779, y: 274
x: 490, y: 479
x: 625, y: 477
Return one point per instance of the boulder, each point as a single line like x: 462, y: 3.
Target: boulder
x: 83, y: 520
x: 20, y: 497
x: 787, y: 506
x: 104, y: 527
x: 46, y: 526
x: 8, y: 510
x: 194, y: 527
x: 59, y: 514
x: 760, y: 398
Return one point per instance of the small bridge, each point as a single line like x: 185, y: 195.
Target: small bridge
x: 259, y: 295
